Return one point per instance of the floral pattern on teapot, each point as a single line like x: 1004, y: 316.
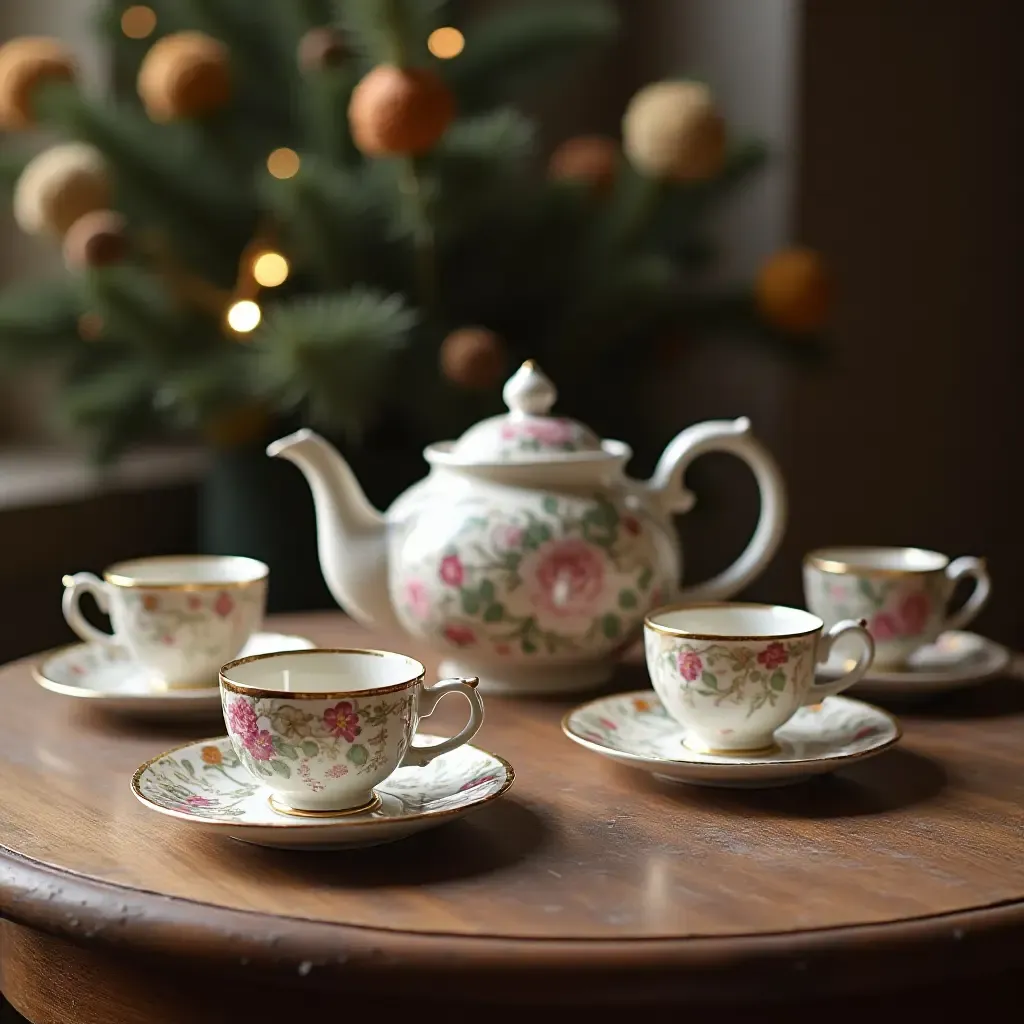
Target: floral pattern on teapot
x: 565, y: 575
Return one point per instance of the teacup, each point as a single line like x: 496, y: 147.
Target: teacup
x: 903, y: 593
x: 732, y: 673
x: 321, y: 728
x: 180, y: 616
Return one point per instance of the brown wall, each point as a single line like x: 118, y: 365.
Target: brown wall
x: 910, y: 123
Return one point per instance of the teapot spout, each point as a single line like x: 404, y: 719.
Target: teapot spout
x: 351, y: 533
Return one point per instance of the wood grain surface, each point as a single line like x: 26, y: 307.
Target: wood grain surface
x: 893, y: 872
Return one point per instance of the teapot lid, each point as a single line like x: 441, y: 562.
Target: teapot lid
x: 526, y: 433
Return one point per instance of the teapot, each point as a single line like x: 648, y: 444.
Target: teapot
x: 526, y: 556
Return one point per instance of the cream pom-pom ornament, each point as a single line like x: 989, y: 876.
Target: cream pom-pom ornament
x: 184, y: 75
x: 26, y: 63
x: 60, y: 185
x: 673, y: 131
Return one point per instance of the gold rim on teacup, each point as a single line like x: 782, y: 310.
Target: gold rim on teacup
x: 819, y: 559
x: 258, y: 691
x: 126, y: 579
x: 693, y: 606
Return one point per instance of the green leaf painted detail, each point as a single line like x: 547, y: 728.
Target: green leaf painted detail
x: 627, y: 599
x: 309, y: 748
x: 611, y: 626
x: 357, y: 754
x: 866, y: 589
x: 187, y: 765
x: 645, y: 578
x: 529, y: 647
x: 470, y: 602
x: 777, y: 681
x: 494, y: 613
x: 281, y: 768
x: 550, y: 504
x: 486, y: 591
x: 709, y: 679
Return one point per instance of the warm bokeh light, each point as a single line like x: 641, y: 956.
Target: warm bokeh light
x: 283, y: 163
x: 270, y: 269
x: 244, y: 316
x: 138, y: 21
x: 446, y: 43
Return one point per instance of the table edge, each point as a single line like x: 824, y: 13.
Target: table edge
x: 822, y: 961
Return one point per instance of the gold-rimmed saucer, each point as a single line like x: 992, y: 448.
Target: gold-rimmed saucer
x: 634, y: 729
x: 108, y: 677
x: 204, y: 785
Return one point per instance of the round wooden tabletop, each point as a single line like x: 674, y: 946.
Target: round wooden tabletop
x: 588, y: 879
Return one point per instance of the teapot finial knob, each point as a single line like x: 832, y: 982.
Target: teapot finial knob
x: 528, y: 392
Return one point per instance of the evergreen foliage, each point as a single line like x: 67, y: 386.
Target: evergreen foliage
x: 387, y: 256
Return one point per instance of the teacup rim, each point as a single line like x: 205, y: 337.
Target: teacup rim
x: 818, y: 559
x: 757, y: 637
x: 246, y: 690
x: 112, y: 576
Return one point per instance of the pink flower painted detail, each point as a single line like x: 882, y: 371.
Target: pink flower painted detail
x: 863, y: 734
x: 198, y: 801
x: 545, y: 430
x: 773, y: 656
x: 914, y: 612
x: 167, y: 640
x: 224, y: 605
x: 884, y: 626
x: 506, y: 537
x: 194, y: 602
x: 417, y: 599
x: 343, y: 720
x: 461, y: 636
x: 473, y: 783
x: 261, y: 746
x: 502, y: 649
x: 242, y: 719
x: 336, y: 771
x: 631, y: 525
x: 452, y: 572
x: 608, y: 723
x: 565, y: 577
x: 690, y: 665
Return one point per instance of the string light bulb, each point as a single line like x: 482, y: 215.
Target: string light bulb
x: 244, y: 316
x: 283, y: 163
x: 445, y: 43
x: 138, y: 21
x: 270, y: 269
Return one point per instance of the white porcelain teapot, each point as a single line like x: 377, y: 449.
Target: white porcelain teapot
x: 526, y: 556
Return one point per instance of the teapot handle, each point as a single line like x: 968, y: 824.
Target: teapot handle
x: 734, y: 437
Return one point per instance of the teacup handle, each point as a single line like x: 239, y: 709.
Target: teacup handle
x: 820, y: 690
x: 972, y: 568
x: 74, y: 587
x: 429, y: 697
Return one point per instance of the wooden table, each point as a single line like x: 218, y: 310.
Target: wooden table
x: 893, y: 886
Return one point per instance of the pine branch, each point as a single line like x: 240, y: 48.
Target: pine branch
x: 39, y: 321
x: 391, y: 31
x: 519, y: 44
x: 12, y: 163
x: 333, y: 355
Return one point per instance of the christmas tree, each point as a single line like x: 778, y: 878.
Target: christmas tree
x: 334, y: 213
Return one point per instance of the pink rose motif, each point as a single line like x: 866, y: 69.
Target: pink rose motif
x: 417, y: 599
x: 452, y: 571
x: 773, y: 656
x: 194, y: 603
x: 242, y: 719
x: 690, y: 665
x: 473, y: 783
x: 261, y: 746
x: 865, y: 732
x: 224, y: 605
x: 549, y: 431
x: 167, y: 640
x: 608, y: 723
x: 506, y: 537
x: 565, y: 578
x: 343, y: 720
x: 631, y: 525
x: 884, y: 626
x: 461, y: 636
x: 502, y: 649
x: 198, y: 801
x: 914, y: 612
x: 836, y: 591
x: 336, y: 771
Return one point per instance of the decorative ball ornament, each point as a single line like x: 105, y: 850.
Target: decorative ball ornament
x: 399, y: 111
x: 96, y: 239
x: 592, y: 159
x: 474, y: 358
x: 794, y: 290
x: 25, y: 63
x: 672, y: 131
x: 184, y: 75
x: 60, y: 185
x: 321, y: 48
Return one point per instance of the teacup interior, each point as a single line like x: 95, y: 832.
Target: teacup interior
x: 866, y: 559
x: 324, y: 671
x: 735, y: 620
x: 179, y: 570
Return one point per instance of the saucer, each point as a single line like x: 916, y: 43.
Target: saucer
x: 111, y: 678
x: 204, y: 784
x: 956, y: 659
x: 634, y: 729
